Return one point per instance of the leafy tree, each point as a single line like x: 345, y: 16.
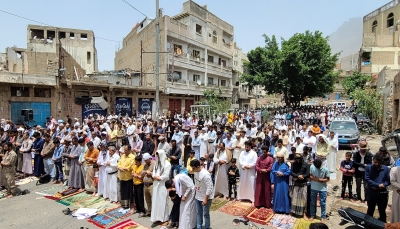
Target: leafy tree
x: 217, y: 103
x: 355, y: 81
x: 301, y: 68
x: 368, y: 102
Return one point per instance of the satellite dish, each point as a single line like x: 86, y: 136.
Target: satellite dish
x: 178, y: 51
x: 199, y: 82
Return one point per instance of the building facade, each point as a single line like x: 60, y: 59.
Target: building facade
x: 197, y: 54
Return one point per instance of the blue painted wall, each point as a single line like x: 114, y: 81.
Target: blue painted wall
x: 40, y: 112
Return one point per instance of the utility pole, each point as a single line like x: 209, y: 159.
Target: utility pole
x: 157, y: 59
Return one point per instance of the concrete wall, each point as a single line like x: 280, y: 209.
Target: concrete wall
x: 70, y: 65
x: 380, y: 15
x: 80, y: 44
x: 129, y: 55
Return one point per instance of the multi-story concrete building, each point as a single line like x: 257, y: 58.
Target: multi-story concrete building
x: 37, y: 79
x: 380, y: 46
x: 199, y: 55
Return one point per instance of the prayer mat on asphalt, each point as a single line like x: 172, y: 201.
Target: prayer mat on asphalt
x: 128, y: 224
x: 75, y: 199
x: 108, y: 218
x: 282, y: 221
x: 84, y: 203
x: 261, y: 215
x: 67, y: 193
x: 303, y: 224
x: 217, y: 203
x: 52, y: 190
x: 236, y: 208
x: 103, y: 206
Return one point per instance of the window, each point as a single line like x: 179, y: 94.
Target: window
x: 37, y: 34
x: 20, y: 92
x: 176, y: 47
x: 223, y: 83
x: 223, y: 63
x: 198, y: 29
x: 390, y: 20
x: 210, y: 59
x: 196, y: 53
x: 196, y: 78
x: 42, y: 92
x: 141, y: 25
x: 177, y: 75
x: 51, y: 34
x: 235, y: 63
x: 88, y: 57
x: 84, y: 36
x: 210, y: 81
x: 215, y: 40
x: 374, y: 25
x: 61, y: 35
x: 72, y: 35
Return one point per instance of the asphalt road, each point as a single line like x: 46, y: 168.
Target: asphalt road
x: 35, y: 211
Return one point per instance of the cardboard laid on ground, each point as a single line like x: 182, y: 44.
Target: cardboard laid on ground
x: 84, y: 213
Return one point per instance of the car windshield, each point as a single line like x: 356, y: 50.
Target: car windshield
x: 343, y: 126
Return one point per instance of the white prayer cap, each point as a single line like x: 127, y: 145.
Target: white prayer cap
x: 20, y: 129
x: 146, y: 156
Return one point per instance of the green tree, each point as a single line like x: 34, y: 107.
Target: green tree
x: 301, y: 68
x: 217, y: 103
x: 355, y: 81
x: 368, y: 102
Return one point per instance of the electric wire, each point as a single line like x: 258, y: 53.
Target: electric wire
x: 15, y: 15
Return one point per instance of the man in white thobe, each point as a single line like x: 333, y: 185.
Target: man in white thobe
x: 160, y: 210
x: 333, y: 149
x: 238, y: 146
x: 222, y: 160
x: 310, y: 141
x: 204, y: 142
x: 130, y: 131
x: 185, y: 189
x: 248, y: 159
x: 102, y: 163
x: 298, y: 145
x: 111, y: 185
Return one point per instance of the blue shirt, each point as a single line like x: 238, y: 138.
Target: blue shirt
x: 398, y: 162
x: 58, y: 153
x: 323, y: 172
x: 375, y: 177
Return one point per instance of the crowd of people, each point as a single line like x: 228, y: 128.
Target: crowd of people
x: 190, y: 159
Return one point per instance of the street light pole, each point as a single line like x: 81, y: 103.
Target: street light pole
x: 157, y: 59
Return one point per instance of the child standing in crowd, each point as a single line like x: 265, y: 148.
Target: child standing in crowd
x: 348, y: 170
x: 96, y: 178
x: 203, y: 161
x: 210, y: 166
x: 307, y: 155
x: 188, y: 167
x: 174, y: 216
x: 233, y: 174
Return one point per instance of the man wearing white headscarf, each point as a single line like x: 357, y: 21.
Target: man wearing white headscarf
x: 333, y: 149
x: 322, y: 149
x: 111, y: 185
x: 161, y: 172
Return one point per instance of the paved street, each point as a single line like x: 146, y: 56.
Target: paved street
x: 35, y: 211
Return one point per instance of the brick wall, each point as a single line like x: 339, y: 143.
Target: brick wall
x: 384, y: 40
x: 382, y: 57
x: 42, y: 63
